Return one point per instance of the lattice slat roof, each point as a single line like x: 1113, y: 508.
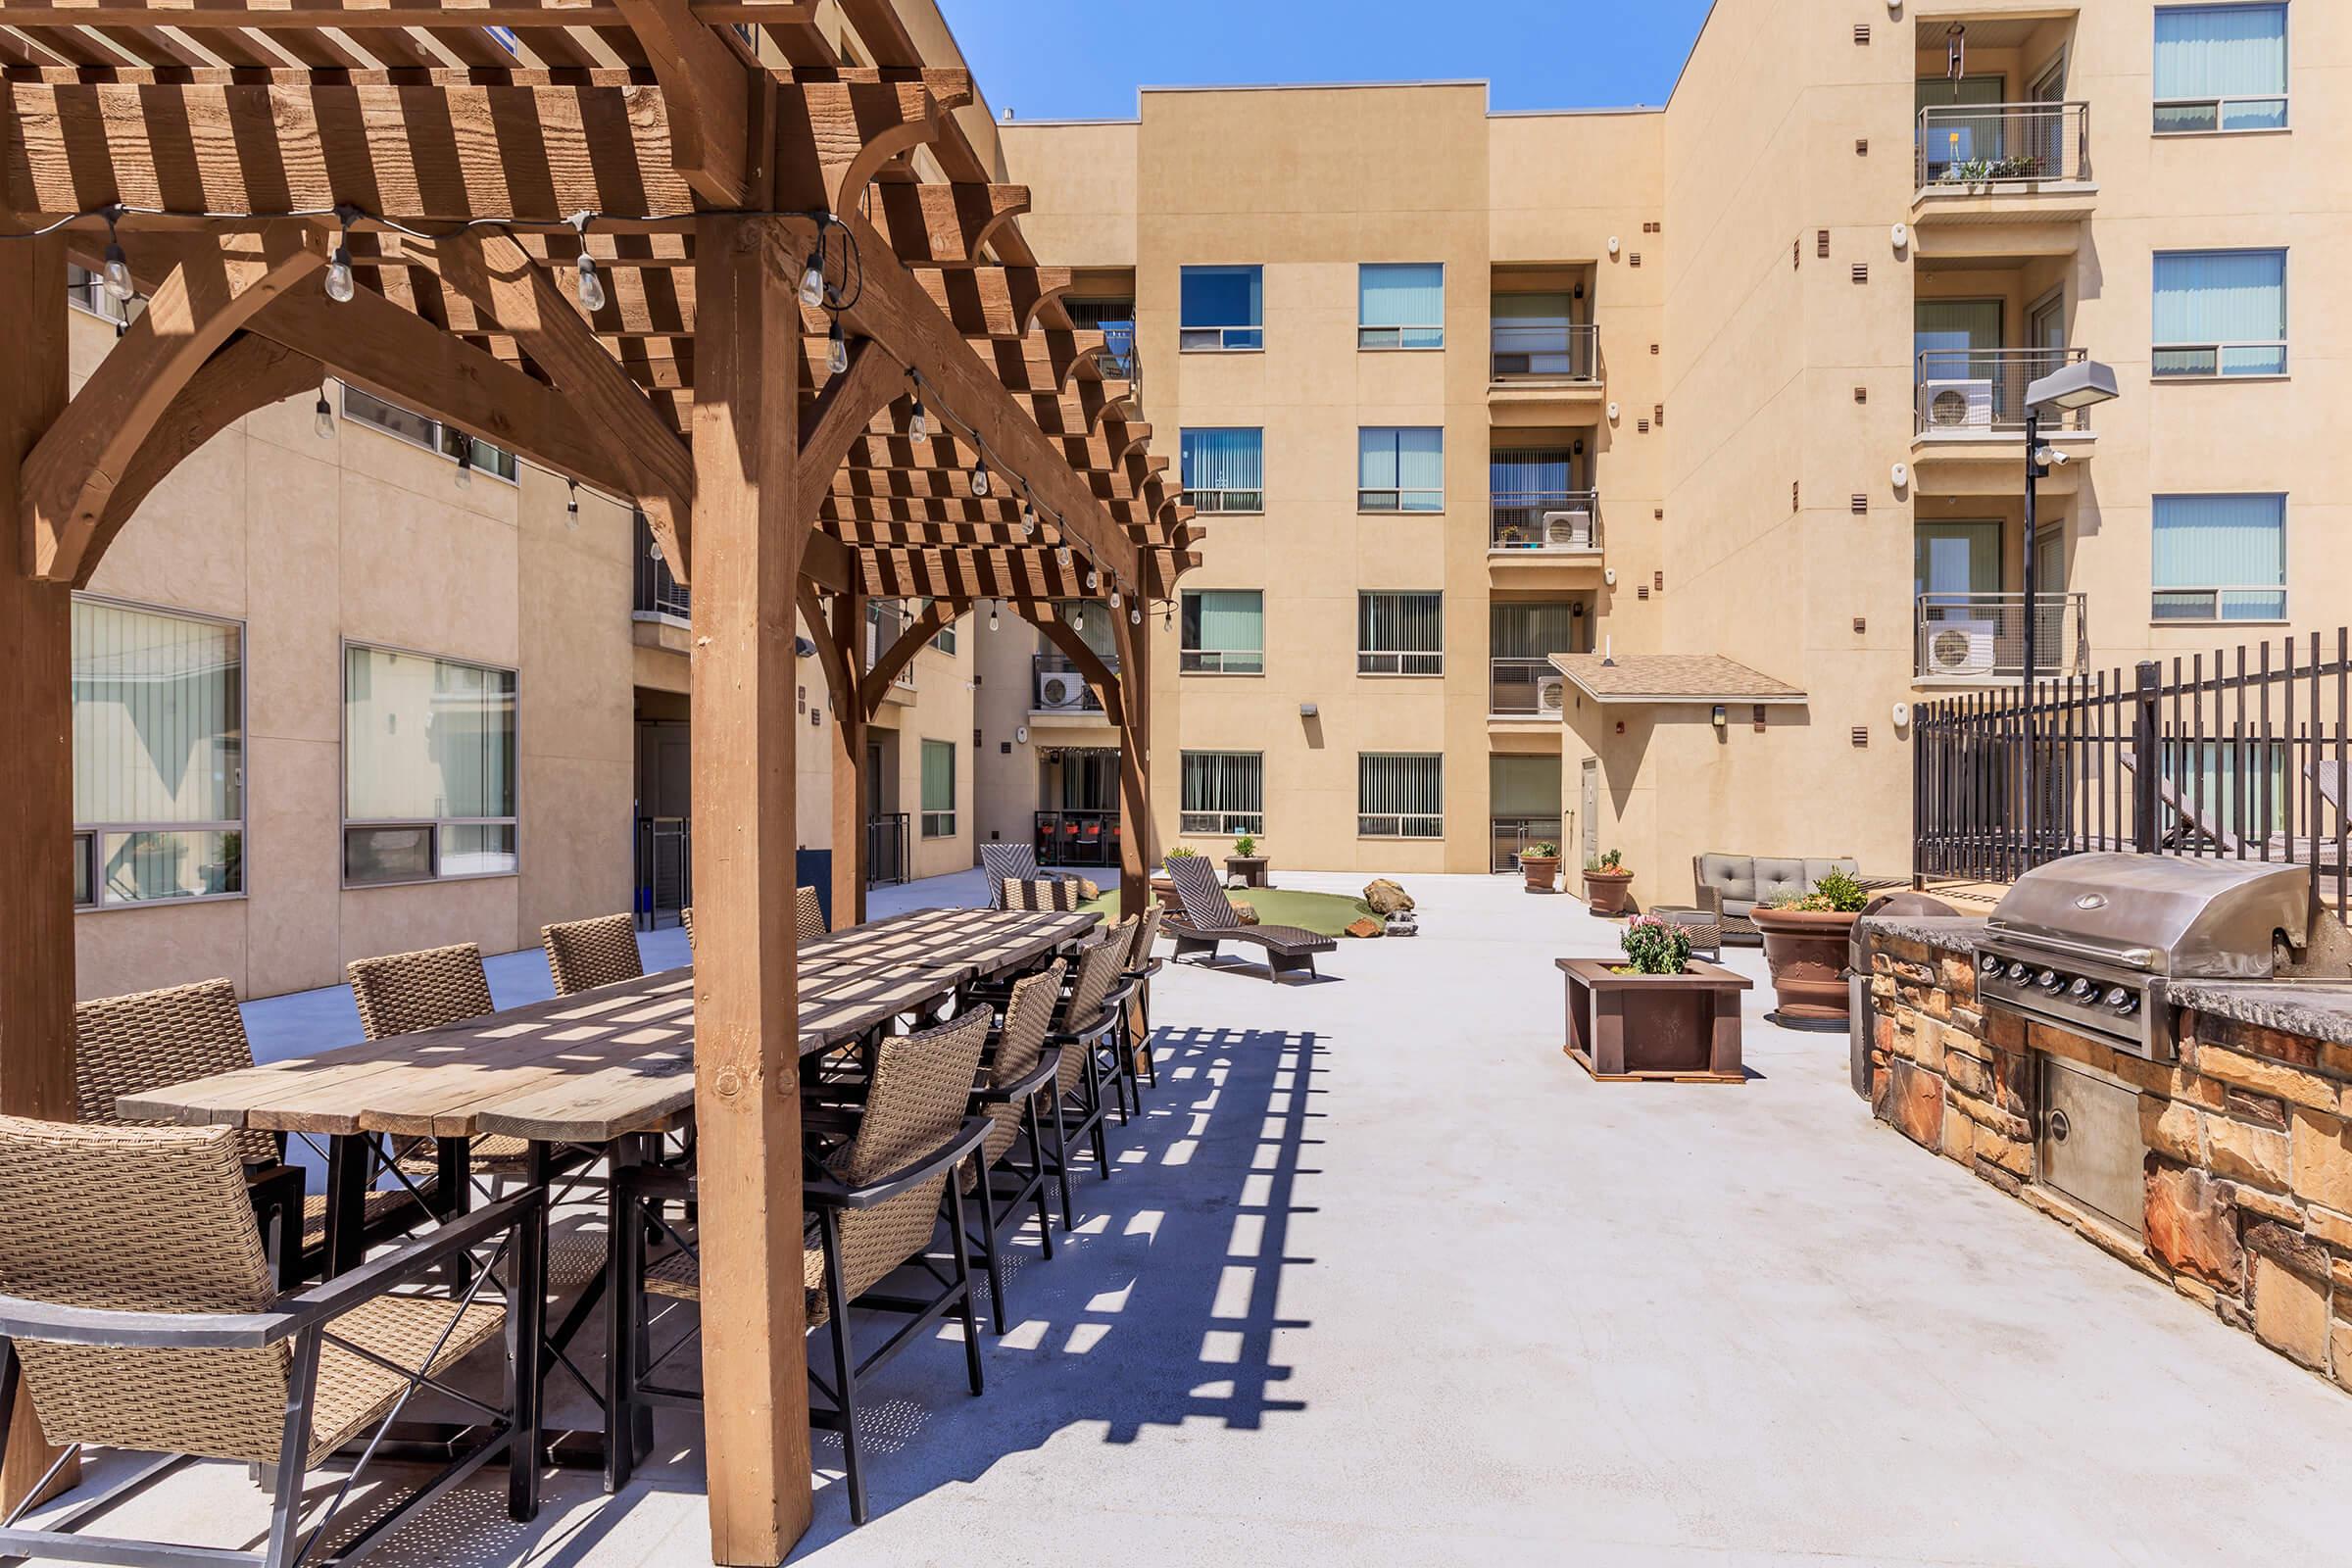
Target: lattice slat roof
x: 432, y: 117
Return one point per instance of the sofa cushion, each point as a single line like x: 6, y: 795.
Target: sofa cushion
x: 1731, y: 876
x: 1778, y: 880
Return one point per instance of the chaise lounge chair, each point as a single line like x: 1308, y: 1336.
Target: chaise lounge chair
x: 1210, y: 920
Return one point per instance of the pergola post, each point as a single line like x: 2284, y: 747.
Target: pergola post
x: 751, y: 530
x: 850, y: 869
x: 37, y: 767
x: 1135, y: 767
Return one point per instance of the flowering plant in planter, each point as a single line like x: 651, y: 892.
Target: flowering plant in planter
x: 1834, y: 894
x: 1653, y: 945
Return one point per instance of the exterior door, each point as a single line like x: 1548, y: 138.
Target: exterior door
x: 1588, y: 802
x: 1959, y: 341
x: 2049, y: 600
x: 1949, y: 139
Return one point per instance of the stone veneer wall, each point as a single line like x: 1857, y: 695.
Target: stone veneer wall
x: 2249, y: 1165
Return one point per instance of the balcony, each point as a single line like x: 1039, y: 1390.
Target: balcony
x: 1980, y: 639
x: 1538, y: 367
x: 1117, y: 358
x: 1077, y: 838
x: 1059, y: 695
x: 1528, y: 689
x: 660, y: 612
x: 1969, y: 422
x: 2003, y: 179
x: 1536, y: 525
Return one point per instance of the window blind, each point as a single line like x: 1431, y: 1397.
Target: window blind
x: 2221, y: 68
x: 2220, y: 313
x: 1400, y: 305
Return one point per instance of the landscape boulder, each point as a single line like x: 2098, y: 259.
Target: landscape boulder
x: 1387, y: 896
x: 1245, y: 913
x: 1366, y: 927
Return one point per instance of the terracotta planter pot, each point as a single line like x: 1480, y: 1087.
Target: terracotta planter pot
x: 1678, y: 1026
x: 1606, y: 890
x: 1543, y: 872
x: 1807, y: 951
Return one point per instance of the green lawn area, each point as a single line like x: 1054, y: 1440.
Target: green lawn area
x: 1324, y: 914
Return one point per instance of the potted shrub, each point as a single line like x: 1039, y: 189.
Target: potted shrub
x: 1605, y: 882
x: 1246, y: 863
x: 1659, y: 1014
x: 1806, y: 944
x: 1541, y: 865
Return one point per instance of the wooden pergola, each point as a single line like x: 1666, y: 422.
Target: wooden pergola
x: 473, y: 176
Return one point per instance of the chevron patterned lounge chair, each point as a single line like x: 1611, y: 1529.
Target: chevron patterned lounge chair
x: 1210, y: 920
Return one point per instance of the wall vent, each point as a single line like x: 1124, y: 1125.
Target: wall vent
x: 1658, y: 580
x: 1820, y: 243
x: 1004, y: 749
x: 1861, y: 394
x: 1657, y: 514
x: 1861, y: 503
x: 1862, y: 34
x: 1635, y: 259
x: 1861, y: 734
x: 1652, y: 227
x: 1793, y: 495
x: 1642, y: 591
x: 1642, y: 426
x: 1861, y: 146
x: 1796, y: 252
x: 1861, y: 625
x: 1653, y: 351
x: 1861, y: 272
x: 1657, y: 414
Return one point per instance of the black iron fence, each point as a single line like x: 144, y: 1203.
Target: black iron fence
x: 664, y: 871
x: 1077, y: 838
x: 886, y: 853
x: 2240, y: 754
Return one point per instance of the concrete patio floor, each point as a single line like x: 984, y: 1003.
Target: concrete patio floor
x: 1382, y: 1276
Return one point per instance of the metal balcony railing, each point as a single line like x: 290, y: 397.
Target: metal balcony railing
x: 1985, y: 146
x: 1963, y: 391
x: 658, y: 592
x: 1546, y: 521
x: 1976, y: 638
x: 1118, y: 360
x: 1526, y: 688
x: 1514, y: 836
x: 1056, y: 687
x: 886, y: 853
x: 1529, y: 353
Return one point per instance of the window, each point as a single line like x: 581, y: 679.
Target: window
x: 1399, y: 634
x: 939, y: 789
x: 2219, y: 558
x: 159, y: 755
x: 1401, y: 470
x: 448, y: 440
x: 2220, y: 313
x: 1400, y: 795
x: 2221, y: 68
x: 1224, y: 470
x: 1536, y: 336
x: 945, y: 641
x: 1224, y: 308
x: 429, y: 769
x: 1401, y: 306
x: 1224, y: 792
x: 1224, y: 632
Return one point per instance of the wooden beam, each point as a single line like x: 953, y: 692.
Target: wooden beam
x: 751, y: 527
x: 839, y: 648
x: 36, y: 771
x: 927, y: 623
x: 945, y: 225
x: 1135, y: 766
x: 204, y: 300
x: 245, y: 375
x: 499, y: 276
x: 842, y: 411
x: 829, y: 563
x: 291, y: 16
x: 708, y: 87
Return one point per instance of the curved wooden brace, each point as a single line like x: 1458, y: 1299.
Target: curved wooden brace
x: 198, y: 306
x: 837, y: 420
x: 846, y: 180
x: 933, y: 619
x: 246, y: 374
x: 1134, y: 438
x: 1126, y: 407
x: 829, y: 657
x: 1053, y: 282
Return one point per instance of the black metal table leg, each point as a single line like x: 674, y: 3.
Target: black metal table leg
x: 620, y: 1295
x: 350, y: 1172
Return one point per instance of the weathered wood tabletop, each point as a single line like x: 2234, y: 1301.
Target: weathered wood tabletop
x: 608, y: 1063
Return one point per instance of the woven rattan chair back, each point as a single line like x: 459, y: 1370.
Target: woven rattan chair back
x: 130, y: 1045
x: 402, y: 992
x: 1008, y: 862
x: 809, y: 913
x: 1057, y: 895
x: 149, y: 1219
x: 585, y: 954
x: 922, y: 1083
x: 686, y: 920
x: 1028, y: 1016
x: 1098, y: 971
x: 1146, y: 932
x: 1206, y: 906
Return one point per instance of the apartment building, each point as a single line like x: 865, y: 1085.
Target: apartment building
x: 1624, y: 477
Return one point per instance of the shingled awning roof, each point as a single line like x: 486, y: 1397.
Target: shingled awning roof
x: 1657, y: 678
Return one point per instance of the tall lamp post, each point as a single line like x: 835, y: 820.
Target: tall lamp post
x: 2078, y: 385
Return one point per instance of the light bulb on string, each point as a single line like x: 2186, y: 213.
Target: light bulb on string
x: 992, y: 615
x: 812, y: 274
x: 1116, y: 597
x: 1028, y: 520
x: 980, y: 476
x: 1078, y: 618
x: 592, y: 287
x: 323, y: 417
x: 1135, y: 617
x: 340, y: 285
x: 1094, y: 579
x: 1062, y: 555
x: 837, y: 350
x: 918, y: 423
x: 466, y: 464
x: 571, y: 505
x: 116, y: 281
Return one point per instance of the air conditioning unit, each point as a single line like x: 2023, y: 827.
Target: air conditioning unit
x: 1551, y: 694
x: 1568, y: 530
x: 1960, y: 648
x: 1060, y: 693
x: 1956, y: 405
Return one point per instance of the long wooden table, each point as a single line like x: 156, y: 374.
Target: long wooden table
x: 597, y: 1071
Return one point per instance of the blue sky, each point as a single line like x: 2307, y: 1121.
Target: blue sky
x: 1083, y: 59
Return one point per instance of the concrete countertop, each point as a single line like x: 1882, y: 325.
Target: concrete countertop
x: 1949, y: 933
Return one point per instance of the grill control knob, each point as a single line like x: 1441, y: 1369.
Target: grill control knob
x: 2082, y: 990
x: 1988, y: 963
x: 2122, y: 1001
x: 2017, y: 972
x: 2049, y: 981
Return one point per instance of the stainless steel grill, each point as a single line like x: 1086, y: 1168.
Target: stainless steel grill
x: 2090, y: 942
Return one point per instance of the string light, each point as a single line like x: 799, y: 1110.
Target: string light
x: 1078, y: 618
x: 837, y: 348
x: 592, y: 287
x: 918, y: 423
x: 340, y: 285
x: 1029, y: 519
x: 323, y: 417
x: 1094, y: 580
x: 1135, y: 617
x: 1062, y: 555
x: 571, y: 505
x: 118, y: 284
x: 812, y: 275
x: 992, y: 615
x: 1115, y: 595
x: 980, y: 476
x: 465, y: 464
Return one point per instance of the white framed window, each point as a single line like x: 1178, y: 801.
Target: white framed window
x: 2220, y: 313
x: 1400, y: 305
x: 429, y: 769
x: 1399, y: 633
x: 1223, y: 632
x: 2218, y: 558
x: 158, y: 755
x: 421, y: 430
x: 2221, y: 68
x: 1400, y: 795
x: 945, y: 641
x: 1221, y: 309
x: 1223, y: 792
x: 1224, y: 470
x: 1400, y: 468
x: 939, y: 789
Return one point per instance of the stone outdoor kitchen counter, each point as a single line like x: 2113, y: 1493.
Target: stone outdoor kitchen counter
x: 2318, y: 1009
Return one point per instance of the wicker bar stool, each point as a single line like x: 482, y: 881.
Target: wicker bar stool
x: 151, y: 1039
x: 1078, y: 1108
x: 1019, y: 1076
x: 808, y: 914
x: 140, y: 1315
x: 583, y: 954
x: 876, y: 1209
